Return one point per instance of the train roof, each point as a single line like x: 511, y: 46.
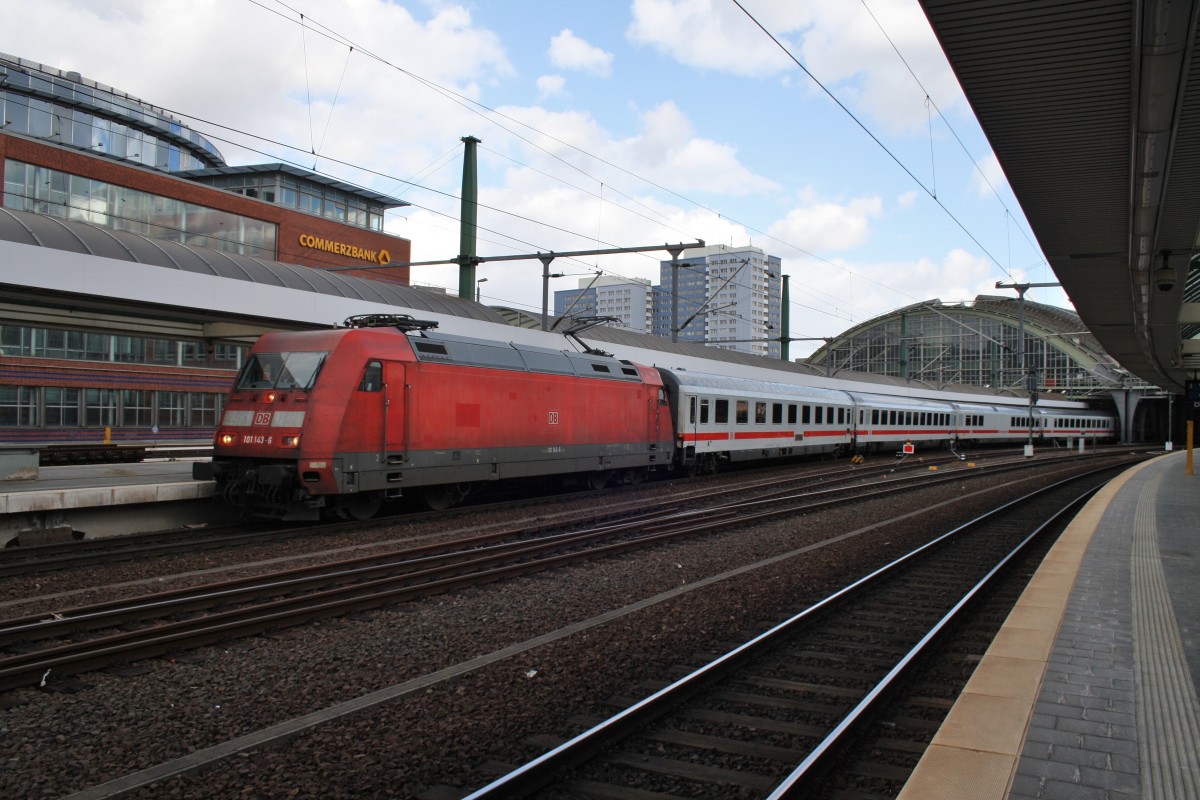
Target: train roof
x: 687, y: 380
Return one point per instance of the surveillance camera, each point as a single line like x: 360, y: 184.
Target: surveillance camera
x: 1164, y: 279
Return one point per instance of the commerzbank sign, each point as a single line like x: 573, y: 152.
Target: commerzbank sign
x: 343, y: 249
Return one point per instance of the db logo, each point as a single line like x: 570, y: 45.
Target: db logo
x: 553, y: 418
x: 262, y: 417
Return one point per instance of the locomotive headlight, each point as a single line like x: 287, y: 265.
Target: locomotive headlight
x: 226, y: 439
x: 290, y: 441
x: 270, y: 397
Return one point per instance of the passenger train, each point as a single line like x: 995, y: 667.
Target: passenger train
x: 340, y: 421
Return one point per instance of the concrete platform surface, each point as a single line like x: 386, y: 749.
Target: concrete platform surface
x: 1090, y: 689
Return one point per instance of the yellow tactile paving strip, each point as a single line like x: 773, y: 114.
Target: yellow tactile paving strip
x: 974, y: 754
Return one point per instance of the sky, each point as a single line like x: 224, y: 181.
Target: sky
x: 830, y: 133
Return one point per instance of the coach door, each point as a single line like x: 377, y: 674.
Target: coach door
x: 395, y: 412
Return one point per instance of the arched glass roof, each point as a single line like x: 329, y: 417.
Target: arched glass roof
x: 80, y: 237
x: 977, y: 343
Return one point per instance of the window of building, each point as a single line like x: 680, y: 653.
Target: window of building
x: 135, y: 408
x: 18, y: 406
x: 20, y: 340
x: 202, y: 410
x: 172, y: 409
x: 57, y: 194
x: 99, y: 407
x: 61, y: 407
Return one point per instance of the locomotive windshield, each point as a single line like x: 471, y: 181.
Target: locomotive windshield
x: 281, y: 371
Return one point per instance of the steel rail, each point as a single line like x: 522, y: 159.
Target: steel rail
x: 537, y: 773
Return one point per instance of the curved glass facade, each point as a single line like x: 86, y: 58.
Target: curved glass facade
x: 977, y: 344
x: 28, y: 187
x: 64, y: 108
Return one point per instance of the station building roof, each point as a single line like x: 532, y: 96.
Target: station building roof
x: 69, y: 236
x: 295, y: 172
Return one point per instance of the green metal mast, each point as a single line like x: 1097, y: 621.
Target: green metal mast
x: 468, y: 219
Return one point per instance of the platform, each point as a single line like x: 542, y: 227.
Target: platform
x: 104, y: 500
x: 1090, y: 688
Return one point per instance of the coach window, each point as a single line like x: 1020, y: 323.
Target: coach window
x: 820, y: 415
x: 372, y: 379
x: 777, y: 413
x: 721, y: 412
x: 704, y: 411
x: 807, y: 415
x: 760, y: 413
x: 691, y: 411
x: 743, y: 412
x: 792, y: 414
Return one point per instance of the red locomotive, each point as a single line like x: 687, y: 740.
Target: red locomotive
x: 341, y: 420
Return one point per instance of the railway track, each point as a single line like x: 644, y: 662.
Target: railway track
x: 770, y: 717
x: 177, y: 620
x: 32, y: 559
x: 25, y: 560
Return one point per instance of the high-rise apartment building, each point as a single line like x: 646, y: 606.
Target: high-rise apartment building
x: 725, y: 297
x: 627, y: 299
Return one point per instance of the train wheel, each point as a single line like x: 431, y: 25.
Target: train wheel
x: 360, y: 506
x: 439, y: 498
x: 598, y: 479
x: 636, y: 476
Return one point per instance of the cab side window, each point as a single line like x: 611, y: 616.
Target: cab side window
x: 372, y: 379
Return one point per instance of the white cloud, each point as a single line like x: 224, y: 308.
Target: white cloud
x: 824, y: 226
x: 568, y: 51
x: 550, y: 85
x: 715, y: 34
x: 908, y: 199
x: 382, y: 118
x: 666, y: 150
x: 837, y: 41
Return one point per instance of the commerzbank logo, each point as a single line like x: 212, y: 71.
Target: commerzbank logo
x: 343, y: 249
